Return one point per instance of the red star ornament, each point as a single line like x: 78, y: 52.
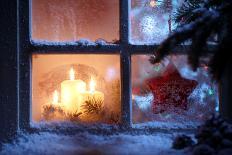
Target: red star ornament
x: 170, y: 90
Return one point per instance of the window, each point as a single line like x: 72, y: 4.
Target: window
x: 102, y: 47
x: 78, y: 88
x: 151, y: 20
x: 170, y: 93
x: 71, y: 20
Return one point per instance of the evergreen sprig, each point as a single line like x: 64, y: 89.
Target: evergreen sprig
x: 92, y: 106
x: 199, y: 20
x: 184, y: 14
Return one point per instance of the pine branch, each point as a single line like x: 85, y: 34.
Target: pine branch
x: 180, y: 35
x: 49, y: 111
x: 92, y: 106
x: 201, y: 21
x: 185, y: 14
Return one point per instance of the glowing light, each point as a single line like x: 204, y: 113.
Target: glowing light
x: 211, y: 92
x: 55, y: 98
x: 152, y: 3
x: 72, y: 74
x: 157, y: 68
x: 133, y: 96
x: 217, y: 106
x: 92, y: 85
x: 110, y: 73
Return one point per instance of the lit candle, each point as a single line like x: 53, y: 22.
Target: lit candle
x: 92, y: 94
x: 95, y: 94
x: 55, y: 98
x: 71, y: 93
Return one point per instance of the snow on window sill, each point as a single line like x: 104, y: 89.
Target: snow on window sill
x: 148, y: 127
x: 81, y: 42
x: 167, y: 125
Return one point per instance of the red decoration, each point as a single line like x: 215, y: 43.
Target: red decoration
x: 170, y: 90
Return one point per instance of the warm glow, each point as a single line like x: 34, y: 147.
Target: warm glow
x: 75, y: 87
x: 72, y: 74
x: 92, y: 85
x: 133, y: 96
x: 152, y: 3
x: 55, y: 99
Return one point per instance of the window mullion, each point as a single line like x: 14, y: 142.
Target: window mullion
x: 125, y: 65
x: 24, y: 65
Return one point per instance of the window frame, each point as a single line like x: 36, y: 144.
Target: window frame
x: 123, y: 48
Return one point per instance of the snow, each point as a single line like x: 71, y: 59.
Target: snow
x: 188, y: 125
x: 144, y: 102
x: 167, y: 123
x: 67, y: 125
x: 81, y: 42
x: 48, y: 143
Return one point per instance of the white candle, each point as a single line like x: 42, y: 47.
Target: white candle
x: 92, y: 94
x: 71, y: 93
x: 55, y: 99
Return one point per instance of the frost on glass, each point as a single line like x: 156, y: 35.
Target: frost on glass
x: 72, y: 20
x: 76, y: 88
x: 151, y: 20
x: 175, y: 94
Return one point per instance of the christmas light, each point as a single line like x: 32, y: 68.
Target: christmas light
x: 153, y: 3
x: 210, y: 92
x: 157, y: 68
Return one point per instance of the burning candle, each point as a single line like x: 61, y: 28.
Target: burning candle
x: 92, y: 94
x: 71, y: 92
x: 55, y: 99
x: 96, y: 94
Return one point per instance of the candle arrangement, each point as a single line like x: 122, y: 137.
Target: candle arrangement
x: 75, y: 99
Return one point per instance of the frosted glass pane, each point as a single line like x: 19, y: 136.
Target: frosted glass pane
x: 170, y: 93
x: 72, y: 20
x: 76, y: 88
x: 151, y: 20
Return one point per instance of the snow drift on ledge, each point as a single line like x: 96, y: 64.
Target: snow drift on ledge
x: 47, y: 143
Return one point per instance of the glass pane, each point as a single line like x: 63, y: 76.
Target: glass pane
x: 170, y: 93
x: 151, y: 20
x: 72, y: 20
x: 76, y: 88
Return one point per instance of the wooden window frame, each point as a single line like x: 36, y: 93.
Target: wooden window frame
x: 26, y: 48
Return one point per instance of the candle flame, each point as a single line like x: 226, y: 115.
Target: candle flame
x: 152, y: 3
x: 55, y: 97
x: 72, y: 74
x: 92, y: 85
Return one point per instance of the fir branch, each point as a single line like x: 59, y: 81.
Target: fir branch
x: 185, y: 14
x: 92, y: 106
x: 201, y: 21
x: 73, y: 116
x: 180, y: 35
x: 49, y: 111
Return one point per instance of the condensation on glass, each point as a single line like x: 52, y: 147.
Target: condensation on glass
x: 72, y: 20
x: 151, y: 20
x: 171, y: 92
x: 76, y: 88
